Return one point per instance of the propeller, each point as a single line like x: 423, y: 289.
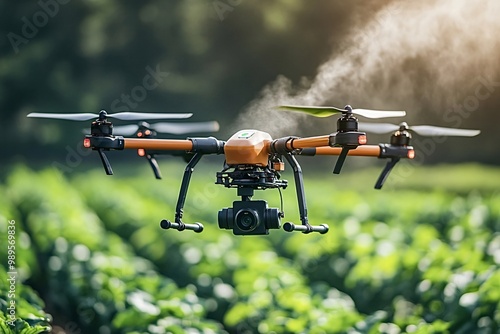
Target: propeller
x: 423, y: 130
x: 171, y: 128
x: 329, y: 111
x: 124, y: 116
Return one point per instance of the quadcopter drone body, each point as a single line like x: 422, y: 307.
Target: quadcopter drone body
x: 253, y: 161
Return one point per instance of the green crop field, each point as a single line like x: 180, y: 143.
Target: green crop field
x: 421, y: 256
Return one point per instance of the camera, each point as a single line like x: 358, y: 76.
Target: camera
x: 249, y: 218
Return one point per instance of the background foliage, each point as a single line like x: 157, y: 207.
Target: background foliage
x: 92, y: 258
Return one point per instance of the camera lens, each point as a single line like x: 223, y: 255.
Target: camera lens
x: 225, y: 218
x: 247, y: 220
x: 272, y: 218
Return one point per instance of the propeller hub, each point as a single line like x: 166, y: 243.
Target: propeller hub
x: 102, y: 115
x: 403, y: 126
x: 348, y: 108
x: 101, y: 126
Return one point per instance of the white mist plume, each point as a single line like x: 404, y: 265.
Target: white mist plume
x: 409, y: 56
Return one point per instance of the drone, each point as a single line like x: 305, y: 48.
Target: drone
x: 253, y: 161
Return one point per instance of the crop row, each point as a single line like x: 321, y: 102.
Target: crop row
x: 394, y: 261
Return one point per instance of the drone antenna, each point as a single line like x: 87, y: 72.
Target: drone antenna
x: 348, y: 110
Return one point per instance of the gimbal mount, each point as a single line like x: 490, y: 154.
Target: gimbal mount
x: 247, y: 179
x: 270, y: 178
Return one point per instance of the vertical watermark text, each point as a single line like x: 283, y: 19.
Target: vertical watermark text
x: 12, y: 273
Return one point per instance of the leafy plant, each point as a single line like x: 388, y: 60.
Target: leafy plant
x: 393, y: 262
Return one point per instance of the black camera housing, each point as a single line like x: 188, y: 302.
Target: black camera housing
x: 249, y: 218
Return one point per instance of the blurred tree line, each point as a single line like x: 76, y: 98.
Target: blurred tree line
x: 208, y: 57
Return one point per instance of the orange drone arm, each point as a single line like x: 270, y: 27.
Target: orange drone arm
x: 298, y: 143
x: 208, y: 145
x: 322, y: 147
x: 380, y: 151
x: 158, y: 144
x: 361, y: 151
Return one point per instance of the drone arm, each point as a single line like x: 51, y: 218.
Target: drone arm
x: 383, y: 151
x: 299, y: 185
x: 298, y: 143
x: 158, y: 144
x: 361, y: 151
x: 208, y: 145
x: 289, y: 144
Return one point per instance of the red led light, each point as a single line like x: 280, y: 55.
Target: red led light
x: 139, y: 134
x: 362, y: 140
x: 141, y: 152
x: 86, y: 143
x: 411, y: 154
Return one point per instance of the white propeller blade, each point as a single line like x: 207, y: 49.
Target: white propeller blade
x: 368, y: 113
x: 71, y: 117
x: 182, y: 128
x: 124, y: 116
x: 427, y: 130
x: 135, y: 116
x: 125, y: 130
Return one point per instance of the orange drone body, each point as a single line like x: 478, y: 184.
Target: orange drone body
x: 248, y: 147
